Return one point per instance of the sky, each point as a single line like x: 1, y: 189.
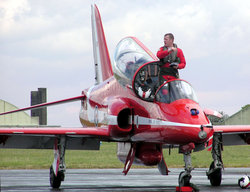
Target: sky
x: 47, y: 43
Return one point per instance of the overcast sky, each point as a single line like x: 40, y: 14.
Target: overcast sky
x: 47, y: 43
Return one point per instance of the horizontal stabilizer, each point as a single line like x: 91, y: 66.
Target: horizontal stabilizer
x: 46, y: 104
x: 211, y: 112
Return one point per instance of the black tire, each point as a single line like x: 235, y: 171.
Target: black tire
x: 184, y: 181
x: 55, y: 181
x: 215, y: 177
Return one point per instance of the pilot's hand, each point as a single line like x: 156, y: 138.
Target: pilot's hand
x: 173, y: 48
x: 174, y: 65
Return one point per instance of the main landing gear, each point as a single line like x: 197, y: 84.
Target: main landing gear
x: 215, y: 171
x: 58, y: 168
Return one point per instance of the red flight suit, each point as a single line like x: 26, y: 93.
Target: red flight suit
x: 163, y: 53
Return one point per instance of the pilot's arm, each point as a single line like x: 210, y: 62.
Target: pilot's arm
x: 161, y: 53
x: 182, y: 63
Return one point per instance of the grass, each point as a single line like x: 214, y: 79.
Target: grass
x: 233, y: 156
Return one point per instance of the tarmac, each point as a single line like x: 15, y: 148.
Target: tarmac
x: 77, y: 180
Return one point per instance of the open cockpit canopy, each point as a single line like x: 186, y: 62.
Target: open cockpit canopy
x: 129, y: 55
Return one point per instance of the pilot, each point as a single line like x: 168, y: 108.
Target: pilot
x: 171, y: 58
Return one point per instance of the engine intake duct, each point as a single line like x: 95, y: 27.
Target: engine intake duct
x: 124, y: 124
x: 121, y: 108
x: 124, y: 119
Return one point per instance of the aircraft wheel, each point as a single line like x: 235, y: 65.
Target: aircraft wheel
x: 184, y: 179
x: 215, y: 176
x: 55, y: 181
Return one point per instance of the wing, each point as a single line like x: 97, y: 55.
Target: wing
x: 234, y: 134
x: 43, y: 137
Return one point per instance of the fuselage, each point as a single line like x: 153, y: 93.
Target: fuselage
x: 130, y: 118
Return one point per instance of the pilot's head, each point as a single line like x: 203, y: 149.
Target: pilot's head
x: 168, y: 40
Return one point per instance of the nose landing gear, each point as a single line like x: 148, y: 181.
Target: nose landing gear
x: 185, y: 176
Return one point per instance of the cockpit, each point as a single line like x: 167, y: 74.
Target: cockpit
x: 137, y: 68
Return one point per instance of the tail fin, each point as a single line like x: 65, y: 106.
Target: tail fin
x: 103, y: 68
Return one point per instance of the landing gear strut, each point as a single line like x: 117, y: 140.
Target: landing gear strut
x: 58, y: 168
x: 185, y: 176
x: 214, y: 174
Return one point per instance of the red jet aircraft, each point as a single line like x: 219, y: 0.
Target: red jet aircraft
x: 128, y: 105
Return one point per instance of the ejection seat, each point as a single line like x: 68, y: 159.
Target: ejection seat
x: 146, y: 81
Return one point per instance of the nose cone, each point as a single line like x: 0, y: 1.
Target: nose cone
x: 184, y: 111
x: 187, y: 118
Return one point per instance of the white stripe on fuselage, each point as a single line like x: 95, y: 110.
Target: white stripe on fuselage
x: 148, y: 121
